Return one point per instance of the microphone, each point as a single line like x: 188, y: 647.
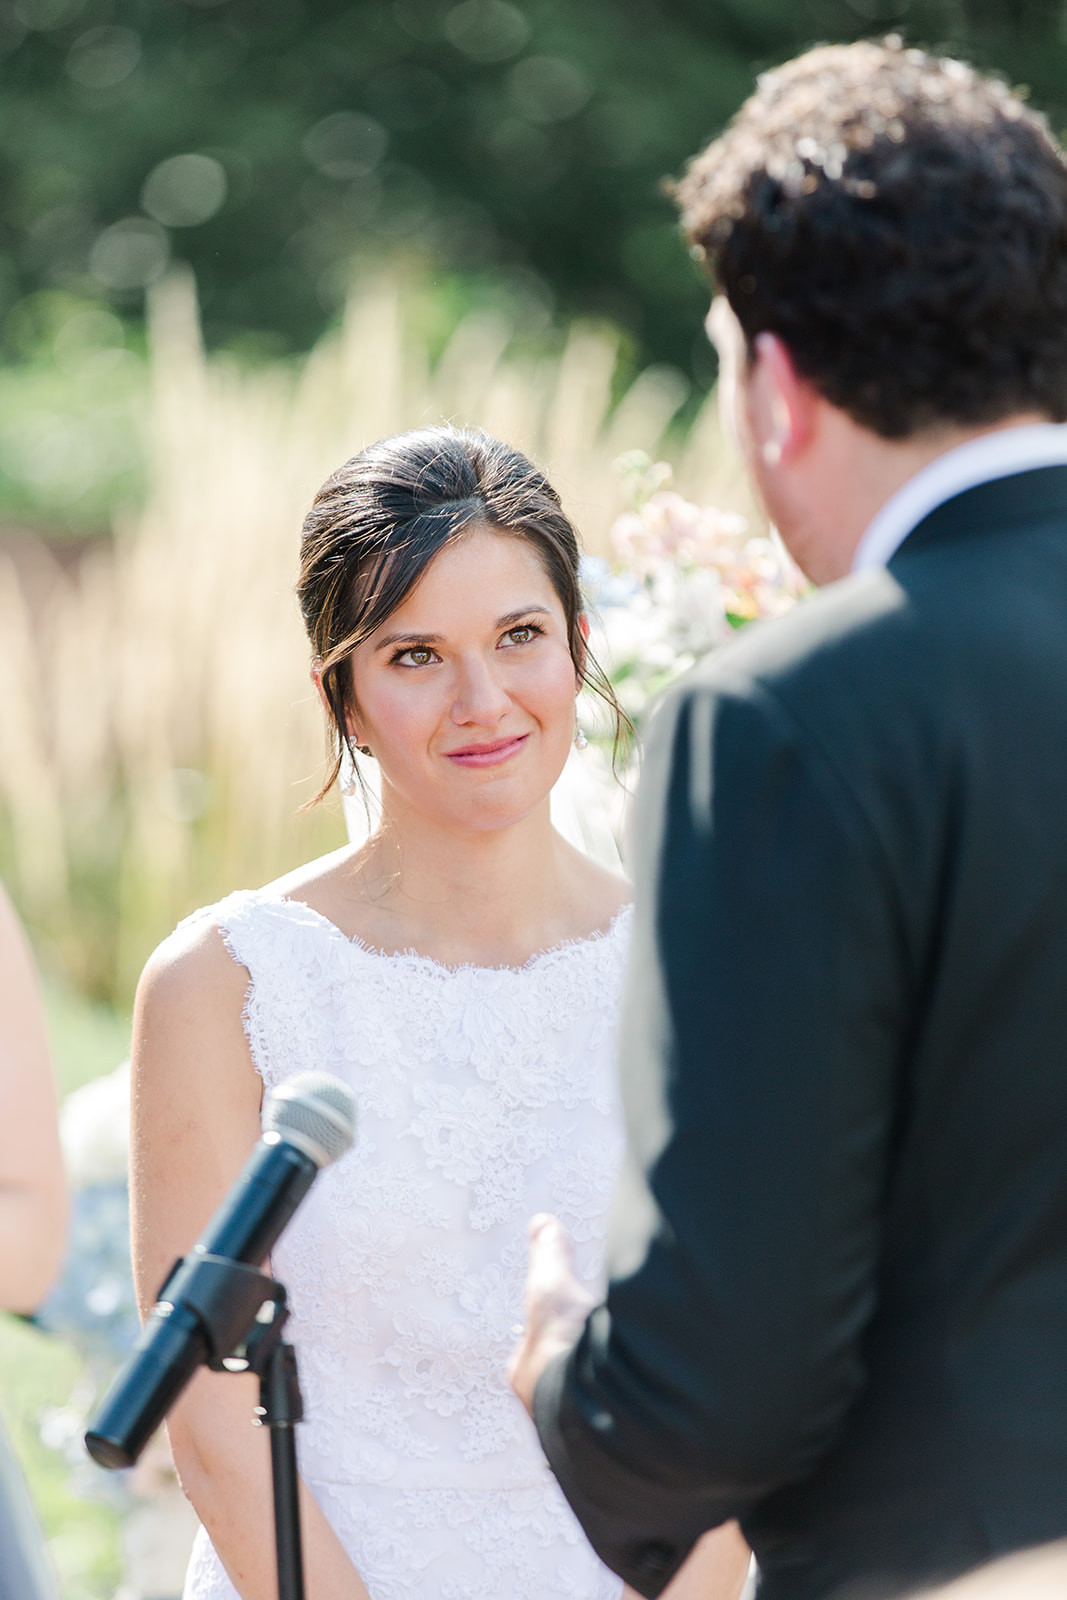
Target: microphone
x: 204, y: 1307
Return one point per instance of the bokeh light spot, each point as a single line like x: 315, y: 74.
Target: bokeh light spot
x: 42, y: 15
x: 548, y: 88
x: 487, y: 30
x: 185, y: 190
x: 346, y: 145
x: 103, y: 57
x: 130, y: 254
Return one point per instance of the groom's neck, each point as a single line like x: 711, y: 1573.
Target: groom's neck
x: 845, y: 477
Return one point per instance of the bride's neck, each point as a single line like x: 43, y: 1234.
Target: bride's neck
x: 491, y: 897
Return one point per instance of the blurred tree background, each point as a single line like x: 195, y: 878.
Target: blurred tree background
x: 516, y: 149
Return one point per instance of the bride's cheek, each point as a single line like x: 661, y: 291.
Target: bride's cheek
x: 552, y: 681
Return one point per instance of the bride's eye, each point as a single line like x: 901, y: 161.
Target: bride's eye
x: 525, y: 633
x: 415, y: 655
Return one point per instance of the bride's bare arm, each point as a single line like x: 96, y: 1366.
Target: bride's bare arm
x: 196, y: 1103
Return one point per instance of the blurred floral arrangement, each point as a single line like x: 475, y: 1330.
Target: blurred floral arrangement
x: 687, y: 576
x: 684, y: 579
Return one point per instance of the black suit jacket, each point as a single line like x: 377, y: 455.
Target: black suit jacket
x: 838, y: 1303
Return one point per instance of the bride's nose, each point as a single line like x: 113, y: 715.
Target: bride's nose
x: 480, y: 695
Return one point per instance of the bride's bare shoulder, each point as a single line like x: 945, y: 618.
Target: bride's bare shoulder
x: 195, y: 963
x: 192, y: 967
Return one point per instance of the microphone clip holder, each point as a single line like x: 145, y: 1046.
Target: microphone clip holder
x: 229, y: 1300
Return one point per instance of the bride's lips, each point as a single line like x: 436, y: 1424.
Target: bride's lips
x: 487, y: 755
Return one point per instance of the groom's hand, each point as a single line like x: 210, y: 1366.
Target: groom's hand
x: 556, y: 1307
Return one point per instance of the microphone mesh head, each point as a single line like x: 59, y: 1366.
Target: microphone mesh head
x: 315, y: 1110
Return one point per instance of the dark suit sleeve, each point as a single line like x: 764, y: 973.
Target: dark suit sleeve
x: 759, y: 1043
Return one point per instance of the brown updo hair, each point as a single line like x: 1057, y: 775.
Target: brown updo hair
x: 377, y: 523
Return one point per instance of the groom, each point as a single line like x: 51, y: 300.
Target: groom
x: 838, y: 1298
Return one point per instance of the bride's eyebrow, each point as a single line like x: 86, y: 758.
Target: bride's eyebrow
x: 512, y: 617
x: 411, y: 637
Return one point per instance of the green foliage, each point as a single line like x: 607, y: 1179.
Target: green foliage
x: 70, y: 444
x: 270, y: 143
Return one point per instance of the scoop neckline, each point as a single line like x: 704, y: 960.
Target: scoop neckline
x: 598, y: 936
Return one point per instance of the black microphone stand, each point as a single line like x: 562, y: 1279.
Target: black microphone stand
x: 242, y: 1313
x: 280, y: 1409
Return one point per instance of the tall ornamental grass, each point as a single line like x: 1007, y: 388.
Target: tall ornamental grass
x: 158, y: 733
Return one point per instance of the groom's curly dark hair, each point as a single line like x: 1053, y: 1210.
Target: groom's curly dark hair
x: 900, y: 221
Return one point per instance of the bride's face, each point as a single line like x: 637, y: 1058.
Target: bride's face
x: 465, y: 694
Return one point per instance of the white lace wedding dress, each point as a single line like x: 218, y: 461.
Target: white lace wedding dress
x: 484, y: 1095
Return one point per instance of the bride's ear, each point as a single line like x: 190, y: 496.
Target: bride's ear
x: 351, y: 730
x: 316, y: 678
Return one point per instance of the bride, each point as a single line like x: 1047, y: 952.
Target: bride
x: 461, y: 971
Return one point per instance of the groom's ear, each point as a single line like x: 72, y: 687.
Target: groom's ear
x: 780, y: 403
x: 725, y: 334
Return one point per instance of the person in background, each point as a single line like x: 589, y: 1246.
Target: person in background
x: 33, y: 1218
x: 33, y: 1194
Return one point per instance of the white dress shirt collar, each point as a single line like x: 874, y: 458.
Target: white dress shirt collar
x: 993, y: 455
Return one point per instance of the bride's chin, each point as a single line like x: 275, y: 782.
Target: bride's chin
x: 491, y: 816
x: 486, y: 804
